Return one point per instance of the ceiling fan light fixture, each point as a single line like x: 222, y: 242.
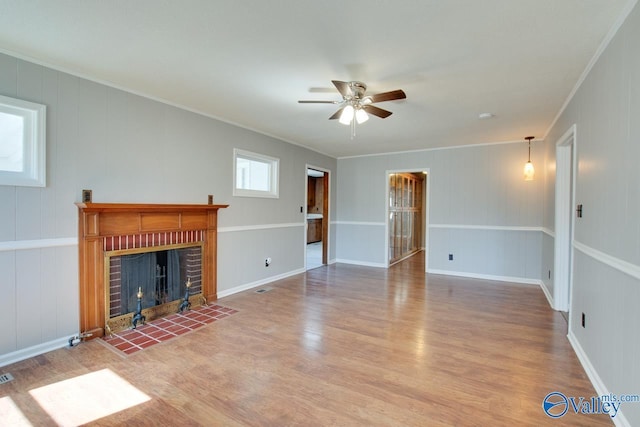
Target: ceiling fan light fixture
x: 355, y: 107
x: 347, y: 115
x: 361, y: 116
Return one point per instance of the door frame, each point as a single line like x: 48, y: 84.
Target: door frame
x: 326, y: 212
x: 565, y: 189
x: 426, y: 202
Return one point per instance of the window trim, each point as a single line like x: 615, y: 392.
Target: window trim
x: 33, y: 172
x: 274, y: 162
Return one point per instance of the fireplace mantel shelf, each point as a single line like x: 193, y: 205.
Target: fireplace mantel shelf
x: 146, y: 207
x: 98, y: 221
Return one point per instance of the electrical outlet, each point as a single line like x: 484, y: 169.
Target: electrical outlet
x: 583, y: 320
x: 267, y: 262
x: 450, y: 257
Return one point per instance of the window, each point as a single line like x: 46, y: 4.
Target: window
x: 22, y: 142
x: 254, y: 175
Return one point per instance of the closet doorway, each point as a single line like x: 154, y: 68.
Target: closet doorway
x: 406, y: 208
x: 317, y: 235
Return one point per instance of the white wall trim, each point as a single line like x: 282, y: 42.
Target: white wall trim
x: 17, y: 245
x: 421, y: 150
x: 605, y: 43
x: 547, y: 294
x: 565, y: 189
x: 366, y: 223
x: 36, y: 350
x: 257, y: 283
x: 632, y: 270
x: 460, y: 226
x: 549, y: 232
x: 601, y: 390
x: 520, y: 280
x: 233, y: 229
x: 363, y: 263
x: 487, y: 227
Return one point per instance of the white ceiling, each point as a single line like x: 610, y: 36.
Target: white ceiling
x: 248, y: 62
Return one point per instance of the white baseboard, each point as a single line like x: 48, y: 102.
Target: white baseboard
x: 547, y: 294
x: 257, y: 283
x: 363, y: 263
x: 523, y: 280
x: 601, y: 390
x: 36, y: 350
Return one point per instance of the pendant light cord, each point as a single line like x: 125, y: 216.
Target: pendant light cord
x: 529, y: 138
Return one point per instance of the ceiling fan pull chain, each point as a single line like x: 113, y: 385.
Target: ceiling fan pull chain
x: 353, y: 128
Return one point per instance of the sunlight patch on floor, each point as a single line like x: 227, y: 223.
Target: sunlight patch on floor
x: 87, y: 397
x: 11, y: 414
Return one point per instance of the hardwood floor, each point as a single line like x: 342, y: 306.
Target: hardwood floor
x: 339, y: 345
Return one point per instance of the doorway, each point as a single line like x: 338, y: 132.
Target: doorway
x: 317, y: 217
x: 406, y: 215
x: 564, y: 220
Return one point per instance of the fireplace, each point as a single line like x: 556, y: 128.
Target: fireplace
x: 125, y: 248
x: 160, y: 273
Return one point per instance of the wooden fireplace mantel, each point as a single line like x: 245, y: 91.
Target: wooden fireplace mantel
x: 98, y: 221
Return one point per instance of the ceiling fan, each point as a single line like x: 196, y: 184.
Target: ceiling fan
x: 356, y: 105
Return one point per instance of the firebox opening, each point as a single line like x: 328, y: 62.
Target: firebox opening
x: 160, y: 273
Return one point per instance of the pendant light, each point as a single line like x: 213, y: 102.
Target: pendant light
x: 528, y: 167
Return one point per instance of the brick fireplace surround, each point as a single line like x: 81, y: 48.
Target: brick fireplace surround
x: 101, y: 225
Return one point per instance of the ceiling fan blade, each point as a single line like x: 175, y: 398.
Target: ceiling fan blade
x: 337, y: 114
x: 318, y: 102
x: 343, y: 87
x: 388, y: 96
x: 322, y: 89
x: 372, y: 109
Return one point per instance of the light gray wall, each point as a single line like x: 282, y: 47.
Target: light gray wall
x: 128, y: 148
x: 606, y: 284
x: 480, y: 209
